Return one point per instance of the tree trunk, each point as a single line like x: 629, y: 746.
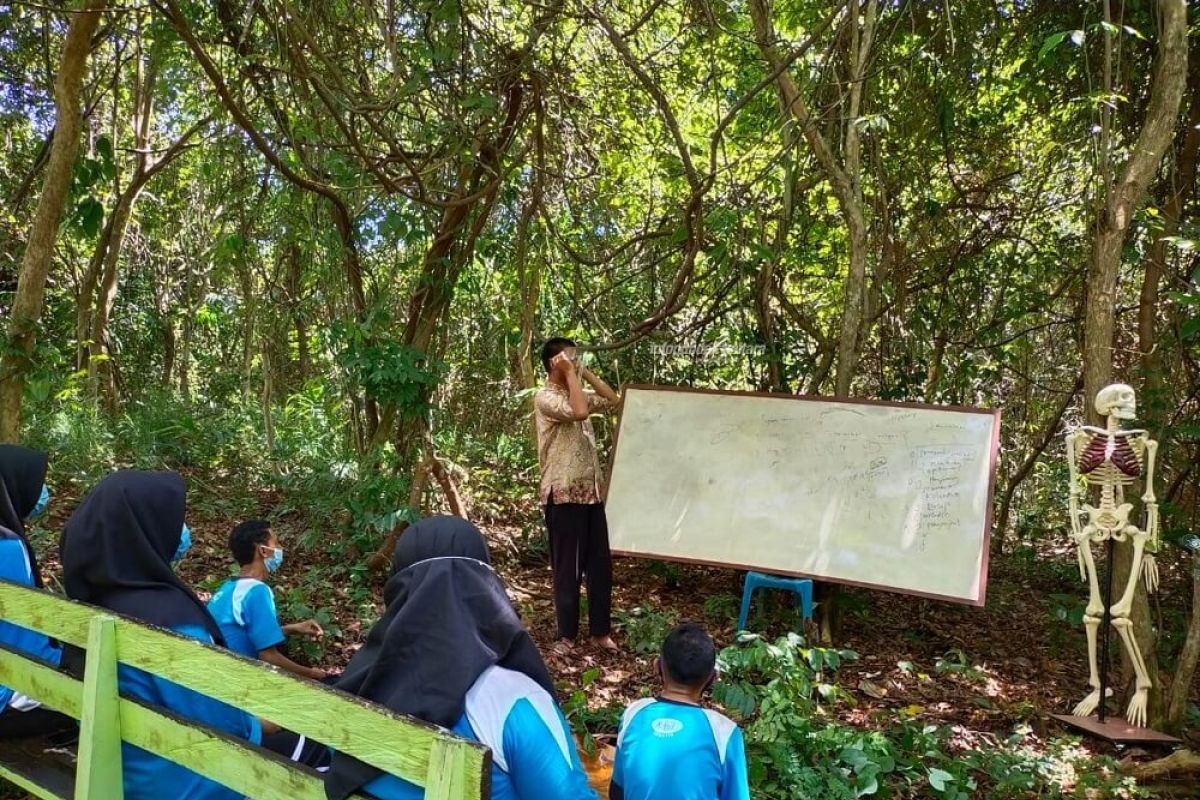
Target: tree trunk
x: 1189, y: 656
x: 249, y: 318
x: 267, y: 400
x: 39, y: 252
x: 168, y: 350
x: 1178, y: 766
x: 529, y: 287
x: 450, y: 251
x: 845, y: 177
x: 845, y: 181
x: 446, y: 482
x: 1026, y: 467
x: 185, y: 357
x: 1179, y: 191
x: 86, y: 299
x: 1122, y: 199
x: 358, y: 298
x: 99, y: 368
x: 765, y: 281
x: 1118, y: 204
x: 295, y: 296
x: 381, y: 560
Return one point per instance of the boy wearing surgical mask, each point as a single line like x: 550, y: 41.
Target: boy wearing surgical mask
x: 244, y: 607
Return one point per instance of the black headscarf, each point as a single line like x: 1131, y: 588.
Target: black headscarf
x: 117, y: 547
x: 447, y: 620
x: 22, y: 475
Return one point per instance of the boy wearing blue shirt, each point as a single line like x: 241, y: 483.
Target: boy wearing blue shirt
x: 244, y: 607
x: 670, y: 746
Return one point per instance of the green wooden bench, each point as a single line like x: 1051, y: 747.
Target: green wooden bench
x: 448, y: 767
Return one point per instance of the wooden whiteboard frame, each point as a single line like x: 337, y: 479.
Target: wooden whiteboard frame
x: 978, y: 602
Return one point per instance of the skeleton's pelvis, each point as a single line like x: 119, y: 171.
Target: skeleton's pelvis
x: 1110, y: 520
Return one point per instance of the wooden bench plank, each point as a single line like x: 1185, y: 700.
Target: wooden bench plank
x: 99, y: 776
x: 34, y: 678
x: 226, y: 759
x: 348, y: 724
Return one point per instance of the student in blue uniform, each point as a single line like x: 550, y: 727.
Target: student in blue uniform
x: 670, y: 746
x: 450, y: 649
x: 244, y: 607
x: 117, y: 551
x: 24, y: 495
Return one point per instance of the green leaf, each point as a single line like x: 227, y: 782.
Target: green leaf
x: 869, y: 786
x: 1189, y: 329
x: 1052, y: 41
x: 854, y: 757
x: 104, y: 147
x: 90, y: 214
x: 939, y: 778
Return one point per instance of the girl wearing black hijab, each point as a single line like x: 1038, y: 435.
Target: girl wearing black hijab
x: 23, y: 495
x: 450, y: 649
x: 117, y: 550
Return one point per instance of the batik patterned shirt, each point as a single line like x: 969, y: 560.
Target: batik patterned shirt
x: 566, y: 447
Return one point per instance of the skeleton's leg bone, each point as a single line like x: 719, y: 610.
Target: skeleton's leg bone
x: 1091, y: 624
x: 1089, y: 703
x: 1125, y: 604
x: 1135, y: 714
x: 1095, y: 604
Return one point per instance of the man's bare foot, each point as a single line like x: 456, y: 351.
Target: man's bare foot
x: 605, y: 643
x: 564, y: 647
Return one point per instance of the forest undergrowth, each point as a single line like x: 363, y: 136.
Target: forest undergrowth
x: 917, y: 699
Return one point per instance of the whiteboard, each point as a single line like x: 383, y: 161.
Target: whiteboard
x: 891, y: 496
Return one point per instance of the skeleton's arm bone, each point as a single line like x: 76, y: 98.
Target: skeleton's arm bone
x: 1148, y: 497
x: 1073, y: 472
x: 1076, y: 529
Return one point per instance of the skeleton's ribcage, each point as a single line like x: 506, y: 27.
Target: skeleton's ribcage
x: 1114, y: 459
x: 1108, y: 474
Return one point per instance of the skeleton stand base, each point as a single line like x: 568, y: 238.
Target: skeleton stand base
x: 1115, y: 730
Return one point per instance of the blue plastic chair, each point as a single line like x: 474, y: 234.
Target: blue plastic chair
x: 757, y: 580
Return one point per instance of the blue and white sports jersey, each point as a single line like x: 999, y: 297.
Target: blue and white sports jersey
x: 16, y: 567
x: 684, y: 752
x: 533, y: 752
x: 149, y: 777
x: 244, y: 608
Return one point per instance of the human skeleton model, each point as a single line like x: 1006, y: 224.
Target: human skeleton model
x: 1110, y: 459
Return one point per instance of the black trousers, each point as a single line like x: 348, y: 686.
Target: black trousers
x: 578, y: 548
x: 35, y: 722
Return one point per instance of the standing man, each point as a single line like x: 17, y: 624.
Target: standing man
x: 570, y: 491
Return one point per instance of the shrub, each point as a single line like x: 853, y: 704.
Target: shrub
x: 785, y: 695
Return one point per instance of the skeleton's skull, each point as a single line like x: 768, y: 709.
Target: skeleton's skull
x: 1117, y: 400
